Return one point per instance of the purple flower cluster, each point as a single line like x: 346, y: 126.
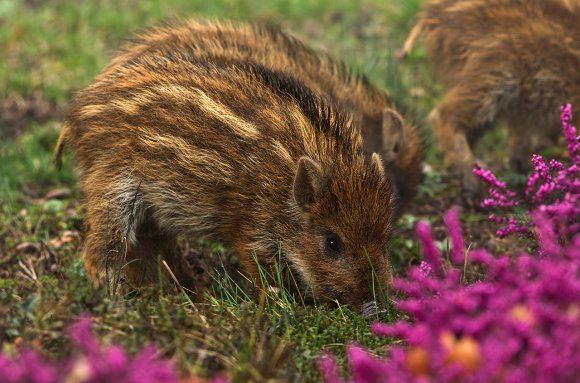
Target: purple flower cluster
x: 520, y: 323
x: 93, y: 364
x: 552, y: 188
x: 570, y: 133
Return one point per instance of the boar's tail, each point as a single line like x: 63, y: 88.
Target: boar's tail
x: 60, y: 145
x: 413, y: 36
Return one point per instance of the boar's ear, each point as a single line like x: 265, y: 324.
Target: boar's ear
x: 393, y: 133
x: 307, y: 182
x: 377, y: 162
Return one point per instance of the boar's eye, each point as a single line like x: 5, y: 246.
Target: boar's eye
x: 333, y: 243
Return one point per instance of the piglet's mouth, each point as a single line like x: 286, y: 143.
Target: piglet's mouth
x: 371, y: 308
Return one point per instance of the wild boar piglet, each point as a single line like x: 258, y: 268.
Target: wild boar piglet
x: 172, y: 141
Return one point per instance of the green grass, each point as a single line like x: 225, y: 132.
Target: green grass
x: 26, y: 165
x: 44, y: 287
x: 55, y: 49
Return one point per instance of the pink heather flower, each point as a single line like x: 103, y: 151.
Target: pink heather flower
x: 521, y: 323
x: 425, y: 268
x: 451, y: 220
x: 551, y: 187
x: 430, y: 252
x: 112, y: 364
x: 27, y: 367
x: 547, y: 236
x: 220, y: 379
x: 512, y: 226
x: 94, y: 364
x: 329, y: 369
x: 81, y: 333
x: 570, y: 133
x: 488, y: 177
x: 501, y: 196
x: 365, y: 366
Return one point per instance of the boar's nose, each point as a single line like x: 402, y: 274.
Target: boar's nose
x: 377, y: 304
x: 372, y: 308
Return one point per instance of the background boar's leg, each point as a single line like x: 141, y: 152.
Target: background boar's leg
x: 467, y: 111
x: 451, y: 134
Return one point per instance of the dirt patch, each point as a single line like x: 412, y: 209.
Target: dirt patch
x: 17, y: 112
x: 33, y: 4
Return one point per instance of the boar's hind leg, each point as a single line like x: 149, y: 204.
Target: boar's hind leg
x: 521, y: 145
x: 452, y: 132
x: 127, y: 263
x: 467, y: 111
x: 124, y: 247
x: 143, y: 261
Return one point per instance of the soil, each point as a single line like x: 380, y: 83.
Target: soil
x: 17, y: 112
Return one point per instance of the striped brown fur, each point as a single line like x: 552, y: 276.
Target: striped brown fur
x: 501, y: 60
x: 384, y: 129
x: 183, y: 134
